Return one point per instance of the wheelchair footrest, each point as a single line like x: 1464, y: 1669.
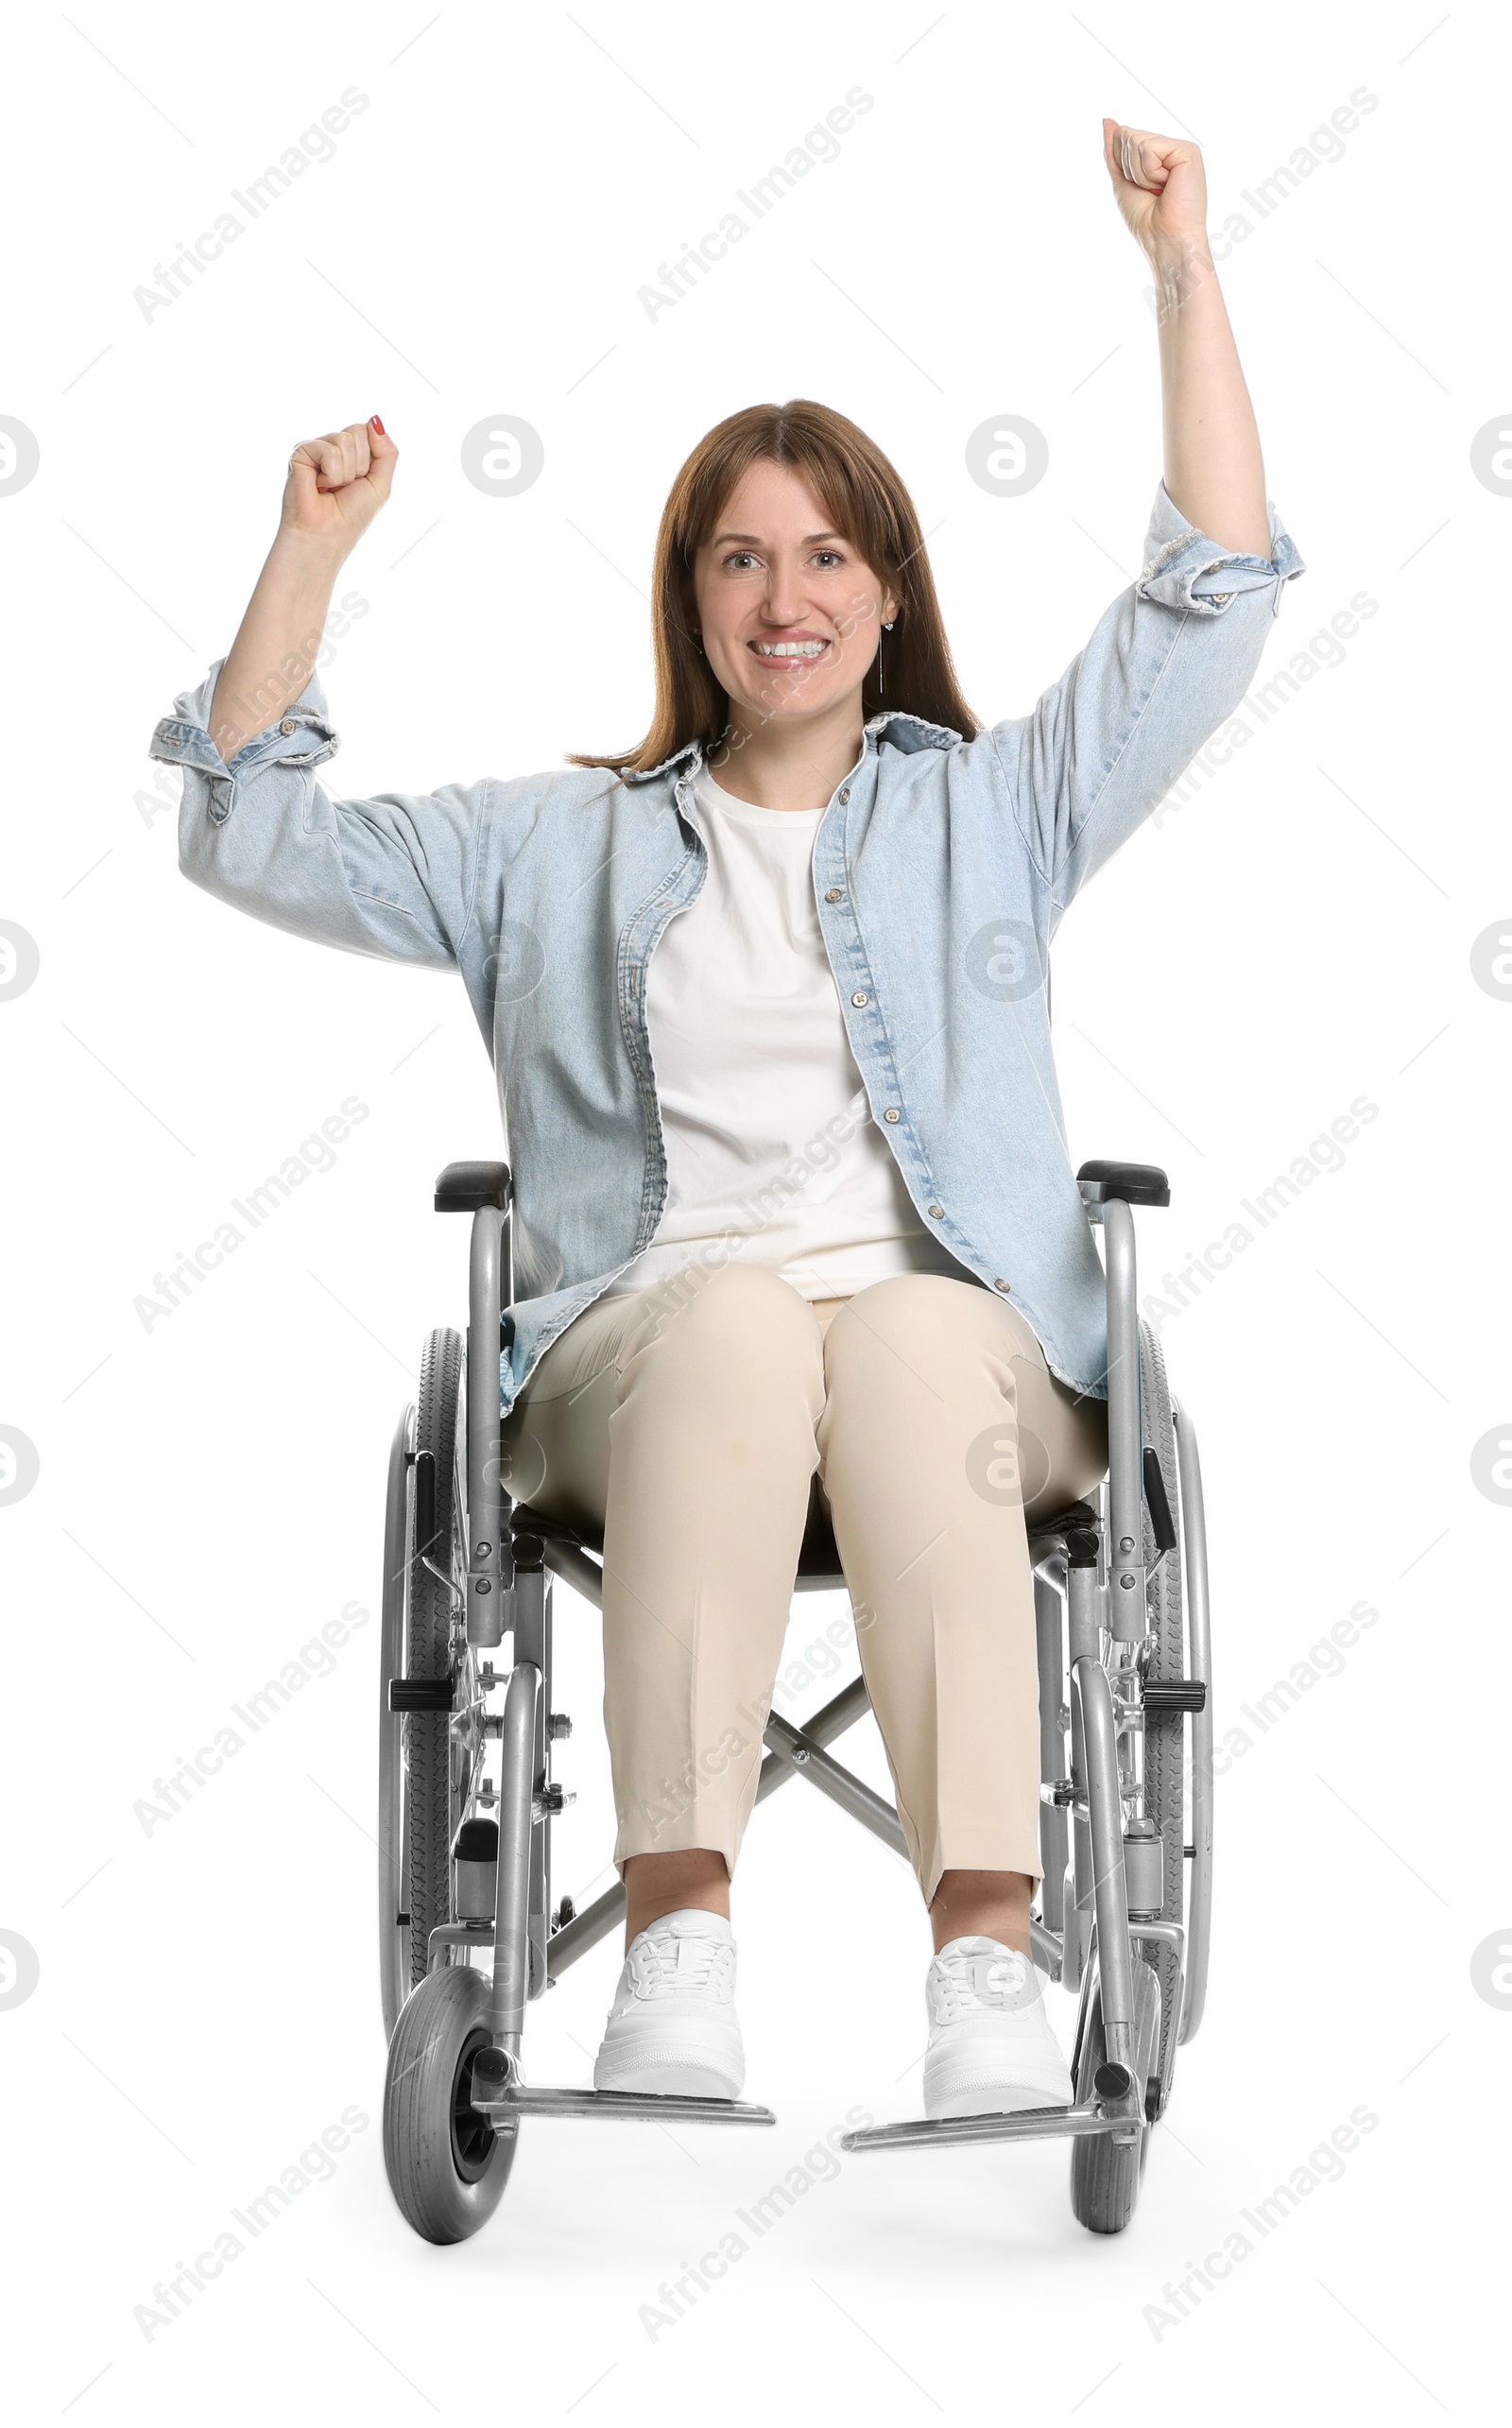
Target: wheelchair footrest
x: 648, y: 2107
x: 1018, y: 2125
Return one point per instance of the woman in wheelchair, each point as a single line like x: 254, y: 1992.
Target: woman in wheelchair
x: 795, y: 1226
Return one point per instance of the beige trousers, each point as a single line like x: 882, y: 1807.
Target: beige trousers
x: 691, y: 1420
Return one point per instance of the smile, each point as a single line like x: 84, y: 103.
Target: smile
x: 807, y: 651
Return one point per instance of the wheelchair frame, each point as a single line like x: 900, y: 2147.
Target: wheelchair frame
x: 1093, y: 1563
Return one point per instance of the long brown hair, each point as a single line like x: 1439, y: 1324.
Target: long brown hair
x: 867, y: 504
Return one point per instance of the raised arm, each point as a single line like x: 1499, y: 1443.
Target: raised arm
x: 394, y: 874
x: 336, y: 486
x: 1171, y: 659
x: 1213, y: 471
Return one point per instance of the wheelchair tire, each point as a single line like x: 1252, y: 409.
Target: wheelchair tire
x: 446, y: 2165
x: 1106, y: 2174
x: 431, y: 1799
x: 1165, y: 1736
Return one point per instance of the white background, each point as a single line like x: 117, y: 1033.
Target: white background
x: 1297, y: 935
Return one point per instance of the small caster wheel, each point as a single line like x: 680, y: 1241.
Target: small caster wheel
x: 447, y: 2166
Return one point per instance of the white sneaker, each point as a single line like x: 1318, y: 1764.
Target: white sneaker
x: 991, y: 2049
x: 671, y: 2028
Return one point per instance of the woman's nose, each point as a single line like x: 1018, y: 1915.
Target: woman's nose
x: 784, y: 601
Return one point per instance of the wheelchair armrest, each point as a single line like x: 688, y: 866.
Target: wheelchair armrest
x: 1138, y: 1184
x: 464, y: 1187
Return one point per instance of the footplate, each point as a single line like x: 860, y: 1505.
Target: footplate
x: 1018, y: 2125
x: 648, y: 2107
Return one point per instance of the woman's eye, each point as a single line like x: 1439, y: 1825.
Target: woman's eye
x: 740, y: 558
x: 832, y: 553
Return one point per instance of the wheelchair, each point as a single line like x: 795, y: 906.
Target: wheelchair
x: 1122, y: 1918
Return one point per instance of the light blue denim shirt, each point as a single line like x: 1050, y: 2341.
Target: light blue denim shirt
x: 941, y: 869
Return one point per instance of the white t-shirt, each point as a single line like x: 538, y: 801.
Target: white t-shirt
x: 767, y: 1129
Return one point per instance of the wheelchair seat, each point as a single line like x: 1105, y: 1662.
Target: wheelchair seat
x: 818, y: 1559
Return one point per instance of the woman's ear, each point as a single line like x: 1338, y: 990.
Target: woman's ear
x: 889, y: 608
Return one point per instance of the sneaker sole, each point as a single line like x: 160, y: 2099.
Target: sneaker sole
x: 676, y: 2073
x: 980, y: 2096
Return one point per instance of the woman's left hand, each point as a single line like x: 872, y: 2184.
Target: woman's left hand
x: 1160, y: 186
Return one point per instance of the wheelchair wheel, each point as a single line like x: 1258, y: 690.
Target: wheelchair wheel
x: 441, y: 1750
x: 446, y: 2165
x: 1165, y: 1734
x: 1106, y: 2174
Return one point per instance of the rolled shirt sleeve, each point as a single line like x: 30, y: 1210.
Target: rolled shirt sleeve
x: 1172, y: 658
x: 393, y: 876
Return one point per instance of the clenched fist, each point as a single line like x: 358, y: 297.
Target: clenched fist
x: 337, y: 484
x: 1160, y: 186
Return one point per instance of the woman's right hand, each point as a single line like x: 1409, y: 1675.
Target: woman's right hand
x: 337, y: 484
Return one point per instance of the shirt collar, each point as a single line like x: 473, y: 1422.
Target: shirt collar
x: 897, y: 726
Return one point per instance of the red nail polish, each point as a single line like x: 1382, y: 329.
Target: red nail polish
x: 379, y: 427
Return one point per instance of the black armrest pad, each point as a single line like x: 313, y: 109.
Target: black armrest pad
x: 1138, y: 1184
x: 464, y: 1187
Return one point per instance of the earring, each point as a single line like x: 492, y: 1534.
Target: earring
x: 882, y: 672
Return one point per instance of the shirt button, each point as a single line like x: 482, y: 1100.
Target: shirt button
x: 892, y: 1113
x: 834, y: 894
x: 844, y: 794
x: 860, y: 998
x: 999, y: 1285
x: 937, y: 1212
x: 287, y: 726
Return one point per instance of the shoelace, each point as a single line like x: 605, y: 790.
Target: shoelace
x: 665, y: 1964
x: 964, y: 1983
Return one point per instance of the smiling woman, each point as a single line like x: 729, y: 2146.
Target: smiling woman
x: 795, y: 1230
x: 789, y: 512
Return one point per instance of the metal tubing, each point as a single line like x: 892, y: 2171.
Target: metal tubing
x: 1022, y: 2125
x: 644, y: 2107
x: 831, y: 1720
x: 585, y: 1930
x: 1082, y: 1616
x: 1078, y: 1930
x: 488, y: 1579
x: 1171, y: 1934
x: 531, y: 1620
x: 540, y: 1846
x: 1082, y: 1626
x: 511, y: 1921
x: 392, y: 1940
x: 596, y: 1922
x: 577, y: 1570
x: 1050, y: 1644
x: 831, y: 1777
x: 1125, y: 1566
x: 1047, y: 1948
x: 1115, y: 1964
x: 1199, y: 1664
x: 455, y: 1935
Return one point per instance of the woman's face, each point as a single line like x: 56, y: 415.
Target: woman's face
x: 788, y: 612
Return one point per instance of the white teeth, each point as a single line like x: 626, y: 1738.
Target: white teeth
x: 791, y: 648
